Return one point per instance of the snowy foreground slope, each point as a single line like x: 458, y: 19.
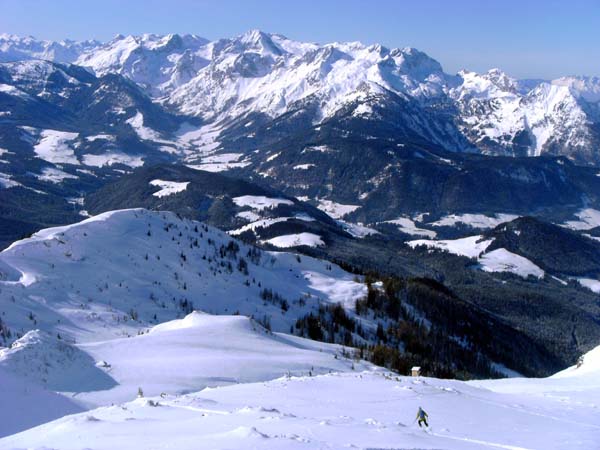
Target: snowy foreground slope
x: 174, y: 358
x: 118, y: 288
x: 346, y: 410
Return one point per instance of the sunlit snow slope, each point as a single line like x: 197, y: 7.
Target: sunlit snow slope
x: 346, y: 410
x: 80, y: 304
x: 116, y: 273
x: 96, y: 310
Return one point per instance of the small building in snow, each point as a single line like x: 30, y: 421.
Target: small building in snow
x: 415, y: 371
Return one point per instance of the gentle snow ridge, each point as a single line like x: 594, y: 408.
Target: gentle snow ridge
x: 501, y: 260
x: 471, y: 246
x: 335, y: 210
x: 57, y: 271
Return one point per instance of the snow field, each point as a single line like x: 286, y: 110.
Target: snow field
x: 499, y: 260
x: 168, y: 187
x: 478, y: 221
x: 113, y: 274
x: 296, y: 240
x: 335, y: 411
x: 54, y: 147
x: 408, y: 226
x: 260, y: 202
x: 335, y: 210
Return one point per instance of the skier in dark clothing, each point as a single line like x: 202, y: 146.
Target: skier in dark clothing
x: 422, y: 417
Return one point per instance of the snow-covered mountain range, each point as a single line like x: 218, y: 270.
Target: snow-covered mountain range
x: 268, y: 74
x: 381, y: 132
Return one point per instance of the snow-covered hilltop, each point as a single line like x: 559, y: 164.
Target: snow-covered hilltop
x: 98, y: 308
x: 117, y: 273
x: 368, y: 409
x: 271, y: 75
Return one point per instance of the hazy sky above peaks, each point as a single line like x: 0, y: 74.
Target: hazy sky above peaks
x: 525, y: 38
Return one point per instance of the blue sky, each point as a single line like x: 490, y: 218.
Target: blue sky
x: 526, y: 38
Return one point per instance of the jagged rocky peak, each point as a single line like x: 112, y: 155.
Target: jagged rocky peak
x: 501, y: 79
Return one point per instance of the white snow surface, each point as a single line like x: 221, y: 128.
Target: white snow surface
x: 471, y: 246
x: 168, y: 187
x: 12, y: 90
x: 54, y: 146
x: 248, y: 215
x: 335, y: 210
x: 54, y: 175
x: 225, y: 381
x: 303, y: 166
x: 590, y: 283
x: 221, y: 162
x: 258, y: 72
x: 137, y: 123
x: 364, y: 409
x: 501, y: 260
x: 83, y: 280
x: 260, y: 202
x: 203, y: 350
x: 110, y: 157
x: 113, y: 276
x: 102, y: 137
x: 263, y: 223
x: 588, y: 218
x: 6, y: 181
x: 25, y: 404
x: 358, y: 230
x: 478, y: 221
x: 408, y: 226
x: 296, y: 240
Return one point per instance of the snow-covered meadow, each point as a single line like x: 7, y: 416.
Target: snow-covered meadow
x: 498, y: 260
